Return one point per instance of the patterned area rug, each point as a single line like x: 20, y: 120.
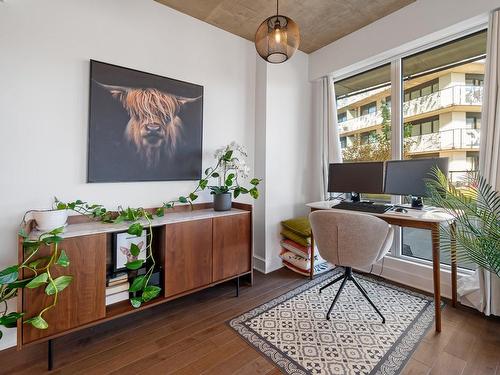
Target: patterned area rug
x: 292, y: 331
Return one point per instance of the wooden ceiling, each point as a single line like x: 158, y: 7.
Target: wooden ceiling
x: 320, y: 21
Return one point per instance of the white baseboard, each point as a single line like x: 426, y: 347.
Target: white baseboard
x: 259, y: 264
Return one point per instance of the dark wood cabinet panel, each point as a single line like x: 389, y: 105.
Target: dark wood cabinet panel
x: 231, y: 246
x: 83, y: 301
x: 188, y: 256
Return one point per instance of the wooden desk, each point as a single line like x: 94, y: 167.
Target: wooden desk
x: 421, y: 219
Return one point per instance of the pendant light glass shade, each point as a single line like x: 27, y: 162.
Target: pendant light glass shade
x: 277, y: 39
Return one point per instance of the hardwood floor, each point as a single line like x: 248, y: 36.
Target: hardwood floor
x: 189, y: 336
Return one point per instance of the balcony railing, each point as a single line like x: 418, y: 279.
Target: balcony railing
x: 445, y: 140
x: 454, y: 95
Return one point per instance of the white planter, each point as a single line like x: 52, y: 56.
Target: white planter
x: 50, y: 219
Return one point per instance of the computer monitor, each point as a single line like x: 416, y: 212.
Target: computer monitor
x: 407, y: 177
x: 356, y: 178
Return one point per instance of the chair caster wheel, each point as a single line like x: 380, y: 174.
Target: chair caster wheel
x: 327, y: 318
x: 383, y: 321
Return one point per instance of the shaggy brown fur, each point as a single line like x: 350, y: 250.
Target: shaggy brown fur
x: 154, y: 120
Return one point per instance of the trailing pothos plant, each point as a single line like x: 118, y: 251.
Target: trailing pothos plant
x: 229, y: 167
x: 40, y: 275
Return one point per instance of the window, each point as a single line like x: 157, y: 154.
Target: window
x: 343, y: 142
x: 342, y: 116
x: 452, y: 64
x: 368, y: 108
x: 424, y: 89
x: 366, y: 138
x: 424, y: 126
x: 473, y: 120
x: 474, y: 79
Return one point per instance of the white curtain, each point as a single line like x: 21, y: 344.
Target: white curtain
x: 330, y: 140
x: 482, y: 290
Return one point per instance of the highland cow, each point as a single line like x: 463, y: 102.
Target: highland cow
x: 154, y: 123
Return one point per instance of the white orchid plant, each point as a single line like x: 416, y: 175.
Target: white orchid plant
x: 231, y: 166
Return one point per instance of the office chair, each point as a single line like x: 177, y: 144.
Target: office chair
x: 350, y: 240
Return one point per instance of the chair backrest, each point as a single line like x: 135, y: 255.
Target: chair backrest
x: 350, y: 239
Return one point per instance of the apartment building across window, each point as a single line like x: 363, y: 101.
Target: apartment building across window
x: 474, y: 79
x: 473, y: 120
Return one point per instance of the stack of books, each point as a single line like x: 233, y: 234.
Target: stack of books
x: 117, y: 288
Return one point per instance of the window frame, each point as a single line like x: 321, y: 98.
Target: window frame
x: 397, y: 96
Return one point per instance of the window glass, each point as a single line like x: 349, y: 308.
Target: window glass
x: 449, y: 65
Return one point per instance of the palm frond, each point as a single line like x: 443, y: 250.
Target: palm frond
x: 476, y: 211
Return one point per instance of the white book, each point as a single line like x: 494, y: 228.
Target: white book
x: 117, y: 297
x: 117, y: 288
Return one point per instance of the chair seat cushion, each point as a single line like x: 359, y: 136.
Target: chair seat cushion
x: 298, y: 225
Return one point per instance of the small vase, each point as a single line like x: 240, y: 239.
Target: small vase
x: 222, y: 202
x: 48, y: 220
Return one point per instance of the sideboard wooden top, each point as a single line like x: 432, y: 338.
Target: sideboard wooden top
x: 95, y: 227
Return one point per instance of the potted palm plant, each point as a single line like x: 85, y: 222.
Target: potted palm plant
x: 476, y: 209
x: 230, y: 167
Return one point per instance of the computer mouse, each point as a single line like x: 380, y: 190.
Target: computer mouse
x: 401, y: 209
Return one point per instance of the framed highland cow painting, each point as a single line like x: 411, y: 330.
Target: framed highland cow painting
x: 143, y: 127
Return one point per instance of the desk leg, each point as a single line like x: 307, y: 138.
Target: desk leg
x: 311, y: 270
x: 436, y: 268
x: 453, y: 230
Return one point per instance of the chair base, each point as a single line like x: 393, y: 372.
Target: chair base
x: 348, y: 275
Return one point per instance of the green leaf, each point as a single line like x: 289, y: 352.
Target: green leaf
x: 30, y: 246
x: 193, y: 196
x: 136, y: 302
x: 207, y: 171
x: 203, y: 184
x: 63, y: 260
x: 19, y: 283
x: 61, y: 206
x: 254, y: 193
x: 135, y: 229
x: 38, y: 262
x: 254, y: 181
x: 9, y: 274
x: 134, y: 249
x: 135, y: 264
x: 37, y: 322
x: 215, y: 175
x: 60, y: 283
x: 183, y: 199
x: 150, y: 292
x: 160, y: 212
x: 119, y: 219
x: 57, y: 231
x: 168, y: 205
x: 37, y: 281
x: 138, y: 284
x: 236, y: 192
x: 51, y: 240
x: 228, y: 155
x: 10, y: 320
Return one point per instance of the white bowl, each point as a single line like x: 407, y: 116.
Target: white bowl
x: 50, y: 219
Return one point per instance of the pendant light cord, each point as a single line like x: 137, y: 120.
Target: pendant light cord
x: 277, y: 7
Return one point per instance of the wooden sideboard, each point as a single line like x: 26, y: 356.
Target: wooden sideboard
x: 196, y: 248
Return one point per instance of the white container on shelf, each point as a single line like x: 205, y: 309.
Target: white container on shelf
x: 47, y: 220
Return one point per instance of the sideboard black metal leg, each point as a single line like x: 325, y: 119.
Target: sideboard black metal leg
x: 50, y: 355
x: 238, y: 286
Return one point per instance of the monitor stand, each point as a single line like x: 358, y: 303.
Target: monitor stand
x: 355, y: 197
x: 417, y: 203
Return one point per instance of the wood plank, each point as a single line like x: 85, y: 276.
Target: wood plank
x: 188, y: 256
x: 83, y: 300
x: 414, y: 367
x: 232, y: 250
x: 448, y: 364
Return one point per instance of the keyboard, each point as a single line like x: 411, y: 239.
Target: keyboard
x: 363, y: 207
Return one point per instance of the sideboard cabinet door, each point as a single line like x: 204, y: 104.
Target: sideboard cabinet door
x: 232, y: 246
x: 83, y: 301
x: 188, y: 256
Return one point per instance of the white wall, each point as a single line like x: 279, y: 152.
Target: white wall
x: 289, y: 162
x: 45, y: 47
x: 416, y: 24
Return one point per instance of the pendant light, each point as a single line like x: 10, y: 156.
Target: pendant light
x: 277, y: 38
